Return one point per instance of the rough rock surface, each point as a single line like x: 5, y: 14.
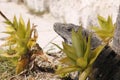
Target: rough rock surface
x: 77, y: 11
x: 37, y: 5
x: 116, y: 38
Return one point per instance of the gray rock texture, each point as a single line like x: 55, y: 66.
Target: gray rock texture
x: 116, y: 39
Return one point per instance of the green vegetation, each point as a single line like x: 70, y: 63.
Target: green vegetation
x: 106, y: 29
x: 19, y: 42
x: 6, y: 68
x: 79, y: 56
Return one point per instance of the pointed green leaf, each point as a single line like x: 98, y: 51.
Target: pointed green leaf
x: 77, y: 43
x: 87, y: 53
x: 21, y: 21
x: 28, y: 32
x: 21, y: 29
x: 82, y: 40
x: 70, y: 50
x: 106, y: 30
x: 110, y: 24
x: 7, y: 32
x: 57, y: 46
x: 10, y: 29
x: 28, y: 25
x: 66, y: 61
x: 8, y: 22
x: 95, y: 54
x: 69, y: 55
x: 15, y: 23
x: 102, y: 21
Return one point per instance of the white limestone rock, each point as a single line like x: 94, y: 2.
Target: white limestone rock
x: 83, y: 11
x: 77, y: 11
x: 37, y: 5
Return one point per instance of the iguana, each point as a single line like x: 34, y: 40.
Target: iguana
x: 64, y: 30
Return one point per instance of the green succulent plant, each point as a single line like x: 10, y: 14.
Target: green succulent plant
x: 19, y: 42
x: 106, y: 29
x: 79, y: 56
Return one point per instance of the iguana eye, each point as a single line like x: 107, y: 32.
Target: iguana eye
x: 69, y: 29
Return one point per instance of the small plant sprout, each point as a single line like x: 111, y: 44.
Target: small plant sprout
x: 79, y: 56
x: 106, y: 29
x: 20, y: 42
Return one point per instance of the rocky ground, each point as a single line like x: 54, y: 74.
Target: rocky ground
x: 41, y: 70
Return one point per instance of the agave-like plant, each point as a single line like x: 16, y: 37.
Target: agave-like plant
x: 20, y: 42
x: 79, y: 56
x: 106, y: 29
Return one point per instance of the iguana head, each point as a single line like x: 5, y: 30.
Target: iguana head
x: 64, y: 30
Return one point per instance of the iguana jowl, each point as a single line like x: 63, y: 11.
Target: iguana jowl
x: 64, y: 30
